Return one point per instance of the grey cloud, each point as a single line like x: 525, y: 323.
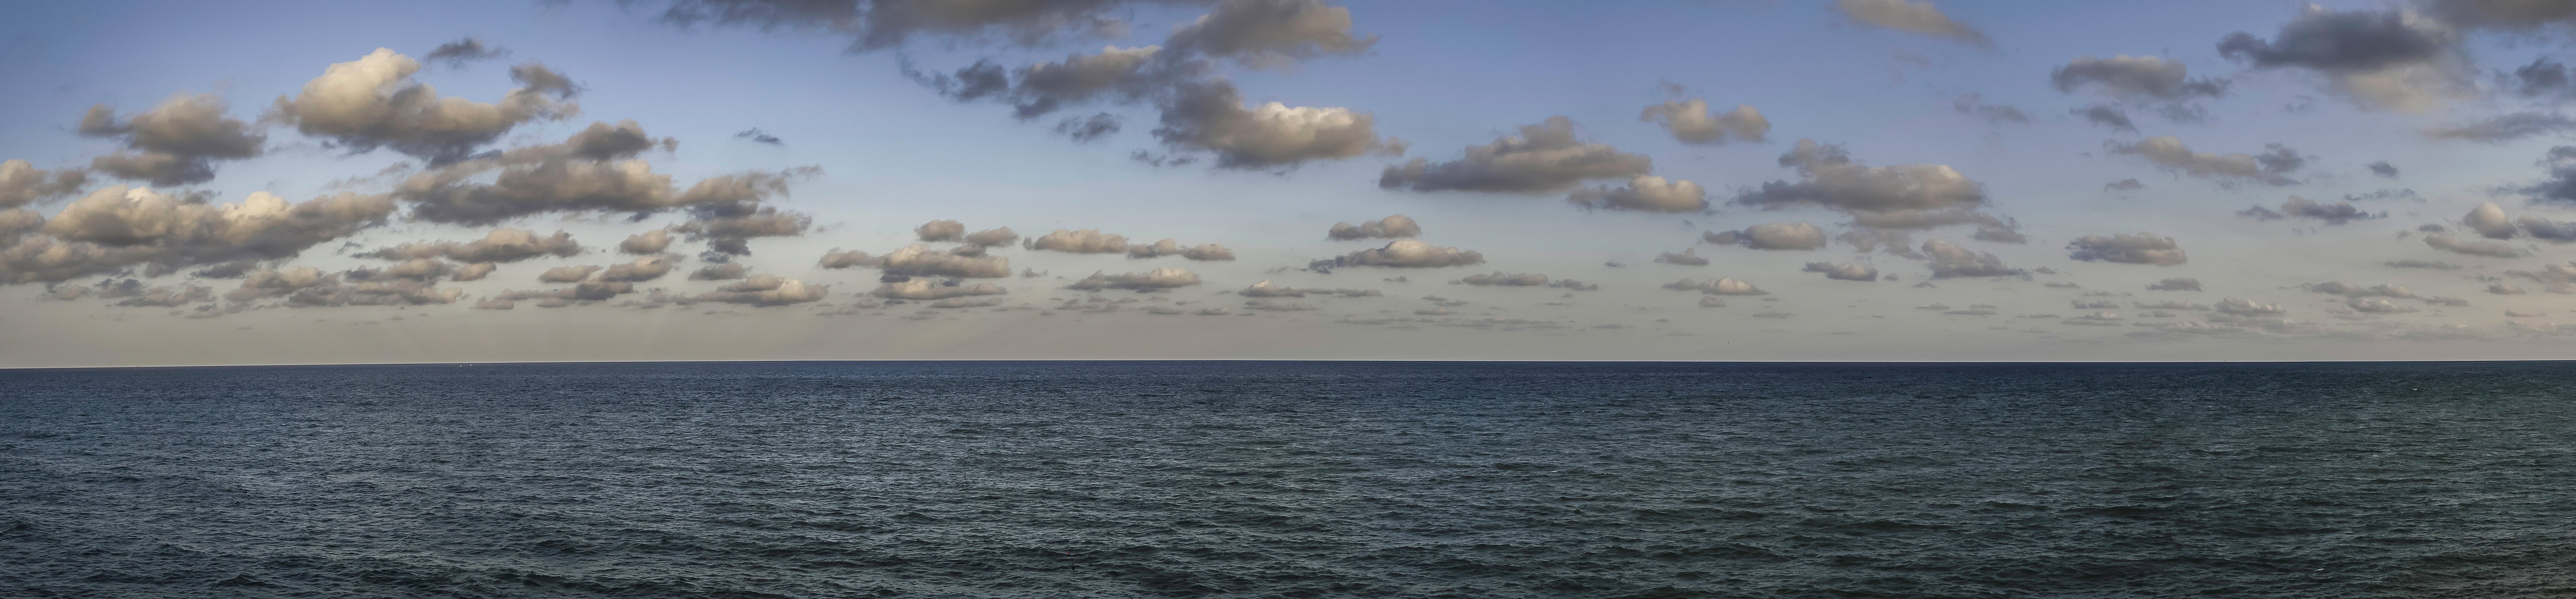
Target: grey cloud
x: 2349, y: 289
x: 1277, y: 305
x: 2175, y: 284
x: 1948, y: 260
x: 1391, y: 227
x: 1168, y: 247
x: 1994, y: 114
x: 2298, y: 207
x: 766, y: 290
x: 473, y: 272
x: 640, y: 270
x: 2560, y: 187
x: 2383, y: 169
x: 2489, y: 220
x: 994, y: 237
x: 1912, y: 16
x: 2123, y: 248
x: 2375, y: 305
x: 566, y: 274
x: 1544, y: 158
x: 1772, y: 236
x: 1403, y: 253
x: 2131, y: 184
x: 1506, y: 280
x: 268, y: 283
x: 583, y: 174
x: 2134, y: 78
x: 721, y: 271
x: 118, y: 227
x: 2273, y: 167
x: 2107, y: 116
x: 1152, y: 280
x: 2243, y: 307
x: 1719, y: 286
x: 2472, y: 247
x: 22, y: 183
x: 882, y: 24
x: 1090, y: 128
x: 728, y: 228
x: 1843, y: 272
x: 334, y: 292
x: 500, y: 245
x: 926, y: 289
x: 2394, y: 59
x: 2504, y: 128
x: 2170, y: 305
x: 1690, y: 121
x: 1645, y: 193
x: 919, y: 260
x: 1688, y: 257
x: 1271, y: 33
x: 372, y: 102
x: 2502, y: 288
x: 175, y: 143
x: 755, y: 135
x: 940, y: 230
x: 462, y: 51
x: 2504, y: 14
x: 1901, y: 196
x: 2425, y: 264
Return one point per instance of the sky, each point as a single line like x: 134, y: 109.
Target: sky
x: 1836, y: 180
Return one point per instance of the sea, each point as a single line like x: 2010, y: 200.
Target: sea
x: 1291, y: 479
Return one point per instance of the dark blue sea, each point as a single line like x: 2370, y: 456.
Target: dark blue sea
x: 1291, y: 479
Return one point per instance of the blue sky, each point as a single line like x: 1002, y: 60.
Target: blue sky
x: 1441, y: 77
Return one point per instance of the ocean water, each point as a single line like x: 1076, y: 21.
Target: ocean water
x: 1290, y: 479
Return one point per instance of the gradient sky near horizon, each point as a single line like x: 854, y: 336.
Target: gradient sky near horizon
x: 324, y: 182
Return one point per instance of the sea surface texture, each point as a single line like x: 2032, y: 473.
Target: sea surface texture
x: 1289, y: 479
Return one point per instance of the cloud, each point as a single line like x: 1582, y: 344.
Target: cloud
x: 119, y: 227
x: 1772, y: 236
x: 1688, y: 257
x: 2560, y: 187
x: 1644, y: 193
x: 1403, y: 253
x: 2425, y: 264
x: 2559, y: 278
x: 2386, y: 60
x: 2175, y: 284
x: 473, y: 272
x: 419, y: 269
x: 2510, y: 15
x: 2273, y: 167
x: 648, y: 242
x: 1911, y: 17
x: 1721, y: 286
x: 2134, y: 78
x: 22, y: 183
x: 2348, y: 289
x: 721, y: 271
x: 926, y: 289
x: 2503, y: 288
x: 1271, y: 33
x: 1975, y: 105
x: 1544, y: 158
x: 1167, y: 247
x: 591, y: 172
x: 2472, y: 247
x: 1265, y: 288
x: 462, y: 51
x: 1211, y: 116
x: 1276, y: 305
x: 1843, y: 272
x: 2123, y: 248
x: 766, y: 290
x: 755, y: 135
x: 883, y: 24
x: 2488, y: 220
x: 2105, y: 115
x: 1691, y: 122
x: 566, y: 274
x: 1502, y: 279
x: 1152, y: 280
x: 2383, y: 168
x: 640, y: 270
x: 2504, y: 128
x: 372, y: 102
x: 1883, y: 197
x: 500, y: 245
x: 2298, y: 207
x: 2242, y: 307
x: 1391, y: 227
x: 1085, y: 241
x: 2130, y: 184
x: 175, y: 143
x: 728, y: 228
x: 1951, y: 261
x: 919, y: 260
x: 2375, y: 305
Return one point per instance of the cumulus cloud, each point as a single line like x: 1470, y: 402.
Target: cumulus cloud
x: 919, y: 260
x: 462, y: 51
x: 1503, y: 279
x: 566, y: 274
x: 766, y: 290
x: 1948, y: 260
x: 941, y: 230
x: 1911, y: 16
x: 175, y: 143
x: 500, y: 245
x: 1271, y: 33
x: 22, y: 183
x: 2134, y: 78
x: 1544, y: 158
x: 1905, y: 196
x: 1403, y: 253
x: 2273, y: 167
x: 1688, y: 257
x: 2375, y: 305
x: 1771, y: 236
x: 926, y: 289
x: 994, y: 237
x: 2387, y: 60
x: 2489, y: 220
x: 1644, y: 194
x: 2298, y: 207
x: 1167, y: 247
x: 1211, y: 116
x: 472, y: 272
x: 645, y: 243
x: 1843, y: 272
x: 1392, y: 227
x: 2424, y: 264
x: 1153, y: 280
x: 372, y: 102
x: 728, y: 228
x: 1085, y: 241
x: 640, y: 270
x: 1691, y: 122
x: 594, y: 171
x: 721, y: 271
x: 119, y: 227
x: 2243, y: 307
x: 2123, y: 248
x: 1975, y: 105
